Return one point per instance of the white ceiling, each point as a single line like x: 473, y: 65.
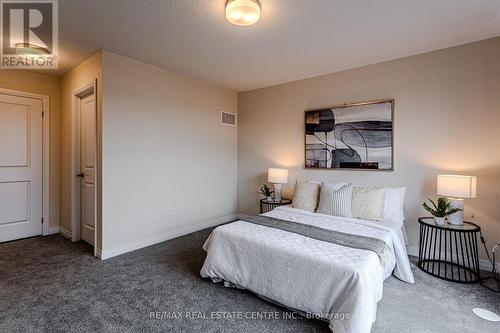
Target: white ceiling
x: 294, y: 39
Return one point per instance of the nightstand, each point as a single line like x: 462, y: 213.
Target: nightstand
x: 267, y: 206
x: 449, y: 252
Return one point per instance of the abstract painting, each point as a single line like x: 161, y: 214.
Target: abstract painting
x: 350, y: 136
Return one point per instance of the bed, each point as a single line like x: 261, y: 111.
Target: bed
x: 333, y: 282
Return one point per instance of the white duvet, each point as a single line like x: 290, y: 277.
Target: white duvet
x: 313, y: 276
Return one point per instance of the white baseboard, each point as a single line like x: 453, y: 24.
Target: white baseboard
x: 53, y: 230
x: 412, y: 250
x: 484, y: 265
x: 65, y: 232
x: 135, y: 245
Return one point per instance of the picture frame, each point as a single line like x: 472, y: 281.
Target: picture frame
x: 354, y: 136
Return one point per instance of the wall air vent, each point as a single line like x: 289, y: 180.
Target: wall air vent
x: 227, y: 118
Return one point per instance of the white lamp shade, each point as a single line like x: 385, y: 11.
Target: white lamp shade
x: 456, y: 186
x: 277, y: 176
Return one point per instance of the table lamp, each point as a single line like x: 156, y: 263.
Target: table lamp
x: 277, y: 177
x: 456, y: 188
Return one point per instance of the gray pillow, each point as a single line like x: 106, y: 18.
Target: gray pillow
x: 335, y: 199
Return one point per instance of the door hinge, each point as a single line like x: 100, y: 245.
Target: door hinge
x: 43, y: 114
x: 42, y: 220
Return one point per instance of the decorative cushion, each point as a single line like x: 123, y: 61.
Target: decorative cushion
x: 368, y: 203
x: 306, y: 196
x: 335, y: 199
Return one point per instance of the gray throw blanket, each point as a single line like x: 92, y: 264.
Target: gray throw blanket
x: 340, y: 238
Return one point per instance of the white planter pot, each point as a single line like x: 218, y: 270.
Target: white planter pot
x: 269, y: 199
x: 439, y: 220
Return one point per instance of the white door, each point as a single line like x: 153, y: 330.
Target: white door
x: 20, y: 167
x: 87, y: 166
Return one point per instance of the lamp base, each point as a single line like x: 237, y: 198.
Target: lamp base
x: 277, y: 192
x: 458, y: 217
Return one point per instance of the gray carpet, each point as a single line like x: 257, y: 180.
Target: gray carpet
x: 48, y: 284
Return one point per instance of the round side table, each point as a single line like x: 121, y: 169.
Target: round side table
x: 449, y: 252
x: 267, y: 206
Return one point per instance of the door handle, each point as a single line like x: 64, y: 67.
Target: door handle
x: 81, y: 175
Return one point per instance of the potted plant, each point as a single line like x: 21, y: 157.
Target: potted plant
x: 441, y: 210
x: 267, y: 192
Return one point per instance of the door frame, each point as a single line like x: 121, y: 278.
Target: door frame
x: 46, y: 229
x: 76, y: 231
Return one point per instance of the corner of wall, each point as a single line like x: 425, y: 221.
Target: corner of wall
x: 78, y: 77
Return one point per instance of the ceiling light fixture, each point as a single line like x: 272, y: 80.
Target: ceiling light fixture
x: 27, y: 48
x: 242, y: 12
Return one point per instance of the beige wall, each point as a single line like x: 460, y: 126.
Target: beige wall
x: 41, y: 84
x: 76, y: 79
x: 447, y: 119
x: 169, y: 166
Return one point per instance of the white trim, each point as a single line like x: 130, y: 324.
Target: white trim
x: 46, y: 167
x: 54, y: 230
x: 135, y: 245
x: 484, y: 265
x: 96, y: 170
x: 412, y: 250
x: 65, y: 232
x: 45, y: 152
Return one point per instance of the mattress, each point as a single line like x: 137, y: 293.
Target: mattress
x: 323, y: 279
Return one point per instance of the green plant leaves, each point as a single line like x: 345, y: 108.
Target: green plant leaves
x: 429, y: 209
x: 453, y: 211
x: 266, y: 191
x: 441, y: 209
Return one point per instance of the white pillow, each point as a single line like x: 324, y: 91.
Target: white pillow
x: 368, y: 203
x: 335, y: 199
x: 394, y: 204
x: 306, y: 196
